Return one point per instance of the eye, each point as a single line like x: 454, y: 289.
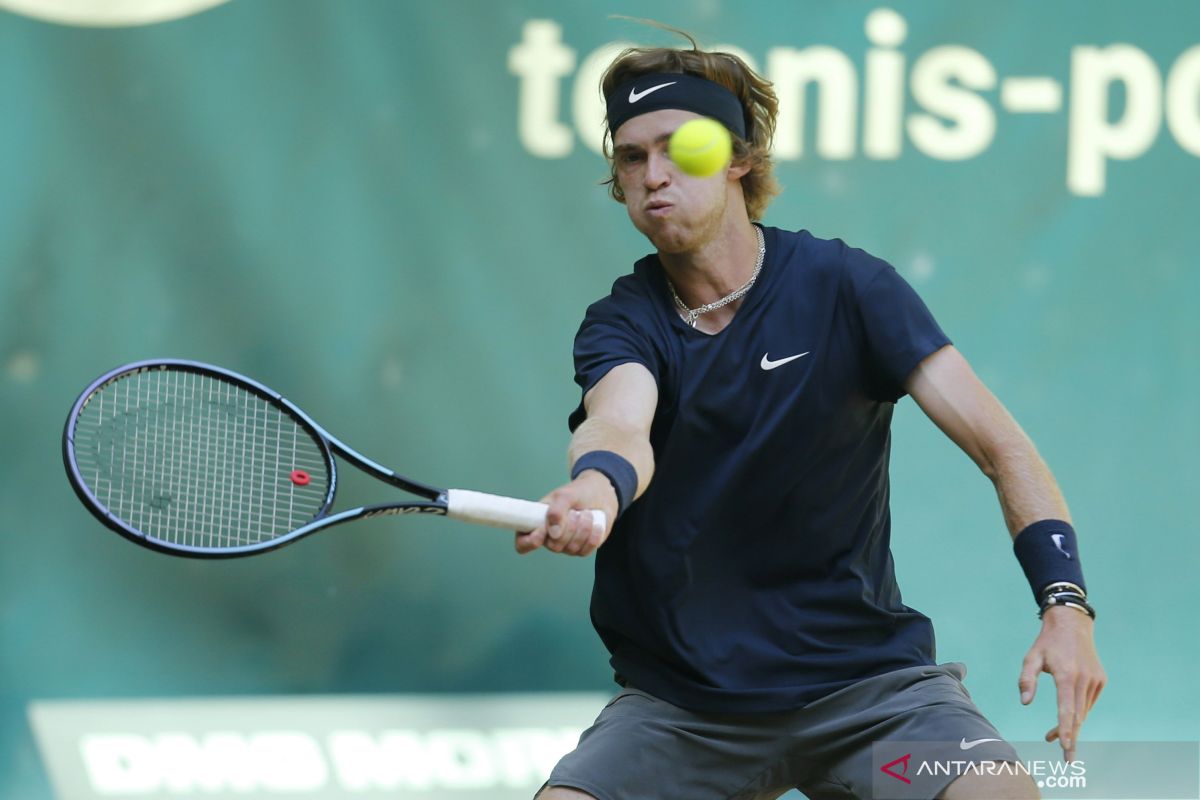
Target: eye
x: 630, y: 157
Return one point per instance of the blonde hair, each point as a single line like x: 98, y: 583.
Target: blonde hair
x: 754, y: 92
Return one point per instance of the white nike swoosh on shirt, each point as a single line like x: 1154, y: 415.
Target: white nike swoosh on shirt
x: 965, y: 745
x: 768, y: 364
x: 635, y: 95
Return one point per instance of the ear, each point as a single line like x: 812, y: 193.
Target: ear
x: 736, y: 171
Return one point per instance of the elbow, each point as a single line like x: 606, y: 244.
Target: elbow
x: 1000, y: 457
x: 987, y: 457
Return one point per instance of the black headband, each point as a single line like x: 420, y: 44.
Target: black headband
x: 660, y: 90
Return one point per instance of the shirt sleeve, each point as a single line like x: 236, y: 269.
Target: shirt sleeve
x: 900, y: 330
x: 607, y: 339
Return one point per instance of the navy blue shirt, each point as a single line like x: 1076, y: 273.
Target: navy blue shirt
x: 755, y: 574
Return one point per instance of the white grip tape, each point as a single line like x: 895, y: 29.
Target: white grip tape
x: 502, y: 512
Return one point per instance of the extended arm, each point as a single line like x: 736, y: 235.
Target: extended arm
x: 620, y: 409
x: 949, y: 392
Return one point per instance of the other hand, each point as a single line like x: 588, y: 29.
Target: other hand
x: 1066, y: 649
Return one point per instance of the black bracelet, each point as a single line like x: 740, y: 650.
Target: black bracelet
x: 1073, y: 599
x: 1063, y: 586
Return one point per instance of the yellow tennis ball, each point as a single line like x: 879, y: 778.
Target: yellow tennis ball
x: 701, y: 147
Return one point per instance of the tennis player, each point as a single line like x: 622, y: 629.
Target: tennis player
x: 737, y: 394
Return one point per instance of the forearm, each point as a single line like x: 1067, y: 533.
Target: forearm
x: 947, y: 389
x: 620, y: 410
x: 1024, y: 484
x: 1066, y: 646
x: 1044, y: 539
x: 631, y: 443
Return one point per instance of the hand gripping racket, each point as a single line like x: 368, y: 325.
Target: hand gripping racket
x: 193, y: 460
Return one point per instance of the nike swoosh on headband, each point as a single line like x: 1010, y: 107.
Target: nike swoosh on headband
x: 635, y: 95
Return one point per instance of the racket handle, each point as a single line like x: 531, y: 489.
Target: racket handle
x: 502, y: 512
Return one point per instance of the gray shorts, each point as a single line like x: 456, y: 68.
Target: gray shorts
x: 643, y: 748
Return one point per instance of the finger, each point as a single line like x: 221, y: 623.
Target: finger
x: 535, y: 539
x: 581, y: 536
x: 559, y: 536
x: 1081, y: 707
x: 1097, y: 687
x: 580, y: 525
x: 558, y: 532
x: 592, y: 532
x: 1027, y: 683
x: 1069, y: 752
x: 556, y: 512
x: 528, y: 541
x: 597, y: 531
x: 570, y: 533
x: 554, y: 545
x: 1068, y: 721
x: 1052, y: 736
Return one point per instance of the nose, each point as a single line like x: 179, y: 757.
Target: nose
x: 658, y: 171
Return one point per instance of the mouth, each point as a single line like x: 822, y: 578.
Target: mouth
x: 659, y: 208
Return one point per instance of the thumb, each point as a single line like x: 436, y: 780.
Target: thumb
x: 1030, y: 671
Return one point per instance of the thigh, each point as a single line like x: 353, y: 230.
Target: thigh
x: 562, y: 793
x: 643, y: 748
x: 1001, y: 786
x: 910, y: 733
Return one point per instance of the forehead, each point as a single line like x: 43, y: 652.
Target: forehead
x: 644, y: 129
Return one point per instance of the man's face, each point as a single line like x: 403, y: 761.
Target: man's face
x: 676, y: 211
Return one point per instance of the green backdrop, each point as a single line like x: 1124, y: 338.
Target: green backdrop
x: 390, y: 212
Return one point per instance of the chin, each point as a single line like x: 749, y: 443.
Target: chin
x: 664, y: 234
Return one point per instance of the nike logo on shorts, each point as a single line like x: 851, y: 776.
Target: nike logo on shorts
x: 965, y: 745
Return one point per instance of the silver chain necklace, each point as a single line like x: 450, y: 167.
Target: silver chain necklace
x: 690, y: 315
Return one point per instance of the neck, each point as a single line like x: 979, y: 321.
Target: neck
x: 721, y: 265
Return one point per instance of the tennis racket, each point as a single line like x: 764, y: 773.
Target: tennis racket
x: 194, y: 460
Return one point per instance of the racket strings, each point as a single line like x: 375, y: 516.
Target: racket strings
x: 192, y: 459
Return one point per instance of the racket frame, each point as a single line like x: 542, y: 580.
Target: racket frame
x: 435, y: 499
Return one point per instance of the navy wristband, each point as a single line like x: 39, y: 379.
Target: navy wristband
x: 620, y: 474
x: 1049, y: 554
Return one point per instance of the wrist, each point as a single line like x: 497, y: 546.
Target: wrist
x: 620, y: 474
x: 1072, y: 598
x: 1066, y: 615
x: 598, y: 486
x: 1048, y: 553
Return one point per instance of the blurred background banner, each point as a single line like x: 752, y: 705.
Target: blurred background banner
x: 390, y: 212
x: 463, y: 746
